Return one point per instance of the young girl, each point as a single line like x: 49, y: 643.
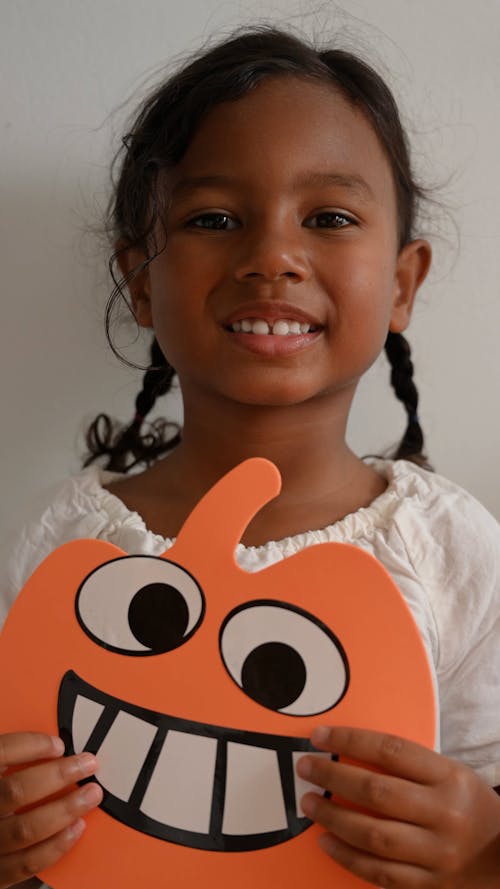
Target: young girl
x: 263, y: 221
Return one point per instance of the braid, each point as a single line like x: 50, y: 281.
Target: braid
x: 157, y: 381
x: 412, y: 444
x: 105, y: 438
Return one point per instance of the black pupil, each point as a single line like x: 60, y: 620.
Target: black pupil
x: 274, y: 674
x: 159, y: 616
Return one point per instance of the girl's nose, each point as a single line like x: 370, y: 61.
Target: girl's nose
x: 271, y: 256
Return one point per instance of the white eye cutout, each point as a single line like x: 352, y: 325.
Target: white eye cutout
x: 284, y: 658
x: 140, y: 605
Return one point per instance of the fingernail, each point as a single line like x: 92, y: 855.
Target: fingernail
x: 58, y: 745
x: 90, y: 794
x: 308, y: 805
x: 320, y: 735
x: 82, y: 766
x: 304, y: 767
x: 76, y: 829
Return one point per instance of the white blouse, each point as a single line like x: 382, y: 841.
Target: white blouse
x: 440, y: 545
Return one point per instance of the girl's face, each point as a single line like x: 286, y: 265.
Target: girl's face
x: 282, y: 212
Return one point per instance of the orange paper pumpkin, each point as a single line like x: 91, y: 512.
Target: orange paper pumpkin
x: 197, y: 684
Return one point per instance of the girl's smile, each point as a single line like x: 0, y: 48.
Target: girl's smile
x: 272, y: 328
x: 280, y: 274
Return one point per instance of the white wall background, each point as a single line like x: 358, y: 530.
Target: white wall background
x: 66, y: 65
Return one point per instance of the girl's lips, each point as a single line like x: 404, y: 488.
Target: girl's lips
x: 270, y: 345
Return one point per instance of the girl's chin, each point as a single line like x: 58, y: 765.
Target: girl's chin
x: 264, y: 396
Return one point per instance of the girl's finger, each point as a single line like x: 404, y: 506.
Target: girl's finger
x: 375, y: 870
x: 379, y: 837
x: 20, y: 747
x: 23, y: 865
x: 392, y: 754
x: 28, y: 786
x: 33, y: 827
x: 378, y: 792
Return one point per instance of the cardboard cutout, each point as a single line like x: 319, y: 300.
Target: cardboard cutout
x: 197, y: 684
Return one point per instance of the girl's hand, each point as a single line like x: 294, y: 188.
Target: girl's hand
x: 33, y: 840
x: 441, y: 824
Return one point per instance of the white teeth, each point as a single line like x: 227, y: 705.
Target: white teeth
x: 260, y: 327
x: 119, y: 763
x: 180, y: 790
x: 85, y: 716
x: 254, y: 798
x: 282, y: 327
x: 301, y: 786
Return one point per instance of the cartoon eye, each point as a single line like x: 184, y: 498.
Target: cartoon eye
x: 140, y: 605
x: 284, y: 658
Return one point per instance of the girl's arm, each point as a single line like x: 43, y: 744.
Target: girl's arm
x: 32, y: 840
x: 440, y: 824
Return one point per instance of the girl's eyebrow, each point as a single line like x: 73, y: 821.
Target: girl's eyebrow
x: 313, y: 179
x: 192, y: 183
x: 350, y: 181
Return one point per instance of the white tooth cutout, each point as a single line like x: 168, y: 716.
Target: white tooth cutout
x: 181, y: 787
x: 122, y: 754
x: 302, y: 786
x: 254, y: 799
x: 85, y: 716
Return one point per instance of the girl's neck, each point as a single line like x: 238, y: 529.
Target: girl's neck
x: 322, y: 480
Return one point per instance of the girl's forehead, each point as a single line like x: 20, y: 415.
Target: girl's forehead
x: 286, y: 126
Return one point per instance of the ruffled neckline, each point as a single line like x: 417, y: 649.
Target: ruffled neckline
x: 404, y: 480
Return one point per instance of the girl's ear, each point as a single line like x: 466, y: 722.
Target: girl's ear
x: 412, y: 265
x: 130, y: 260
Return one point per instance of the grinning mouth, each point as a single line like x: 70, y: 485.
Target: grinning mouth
x: 186, y: 782
x: 280, y: 327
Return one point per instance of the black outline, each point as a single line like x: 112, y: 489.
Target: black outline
x: 283, y: 745
x: 143, y: 778
x: 313, y: 619
x: 126, y: 651
x: 219, y: 790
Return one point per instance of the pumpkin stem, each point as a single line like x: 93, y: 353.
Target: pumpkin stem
x: 218, y: 521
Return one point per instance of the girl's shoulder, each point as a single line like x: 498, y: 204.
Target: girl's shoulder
x: 82, y: 506
x: 419, y: 514
x: 78, y: 507
x: 428, y: 507
x: 447, y: 533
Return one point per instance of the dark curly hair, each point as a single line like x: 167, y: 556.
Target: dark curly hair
x: 158, y: 139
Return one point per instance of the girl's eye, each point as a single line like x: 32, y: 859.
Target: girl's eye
x: 329, y: 219
x: 213, y: 222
